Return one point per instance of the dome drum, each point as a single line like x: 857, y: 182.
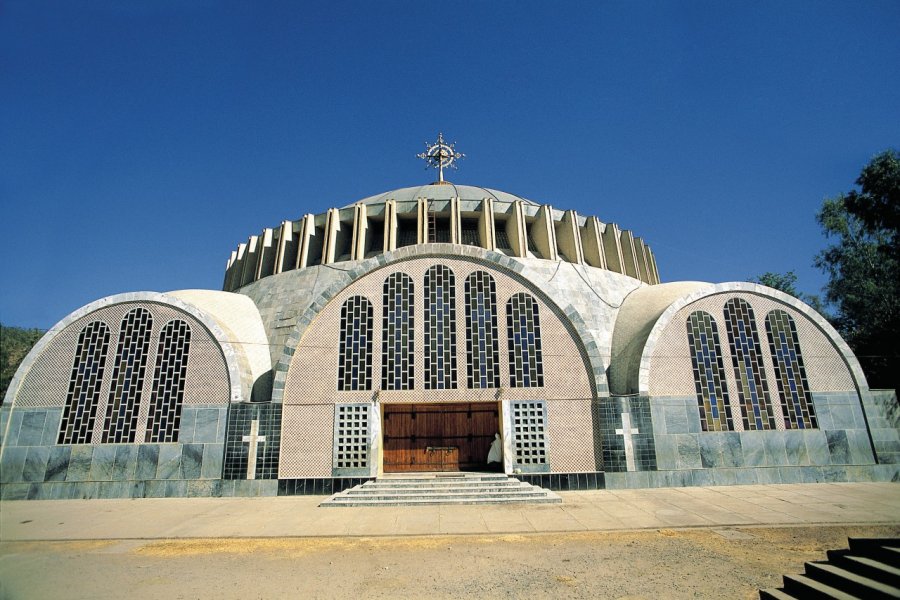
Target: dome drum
x: 512, y: 226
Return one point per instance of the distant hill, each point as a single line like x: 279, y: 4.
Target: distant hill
x: 15, y: 342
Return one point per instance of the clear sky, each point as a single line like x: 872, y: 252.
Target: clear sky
x: 140, y: 142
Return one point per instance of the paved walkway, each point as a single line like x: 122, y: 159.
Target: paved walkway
x: 300, y: 516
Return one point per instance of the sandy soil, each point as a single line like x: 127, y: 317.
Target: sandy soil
x: 685, y: 563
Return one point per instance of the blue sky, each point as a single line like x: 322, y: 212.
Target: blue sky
x: 140, y: 142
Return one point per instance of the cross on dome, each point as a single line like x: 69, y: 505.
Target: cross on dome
x: 439, y: 155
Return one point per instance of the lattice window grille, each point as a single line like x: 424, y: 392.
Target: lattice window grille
x: 83, y: 397
x: 169, y: 378
x: 709, y: 373
x: 529, y: 422
x: 440, y: 328
x: 749, y: 371
x: 128, y: 377
x: 790, y: 373
x: 482, y: 346
x: 355, y: 347
x: 523, y: 334
x: 397, y: 333
x: 351, y: 443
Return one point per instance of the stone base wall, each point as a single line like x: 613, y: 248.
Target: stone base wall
x: 883, y: 416
x: 33, y: 466
x: 841, y: 440
x: 751, y: 476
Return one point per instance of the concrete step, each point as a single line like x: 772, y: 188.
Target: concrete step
x: 775, y: 594
x: 800, y: 586
x: 429, y: 490
x: 440, y: 479
x: 849, y: 582
x: 866, y: 570
x: 885, y: 550
x: 377, y: 485
x: 449, y: 495
x: 335, y: 502
x: 365, y: 490
x: 871, y: 568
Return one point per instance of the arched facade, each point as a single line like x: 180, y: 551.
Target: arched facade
x: 405, y: 331
x: 310, y: 395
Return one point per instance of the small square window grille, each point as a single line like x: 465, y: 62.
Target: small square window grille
x: 529, y: 424
x: 351, y: 439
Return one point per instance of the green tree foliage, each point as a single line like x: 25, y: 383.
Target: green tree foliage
x: 863, y: 267
x: 783, y: 282
x: 15, y: 343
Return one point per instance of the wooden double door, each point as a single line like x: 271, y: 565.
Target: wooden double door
x: 438, y: 437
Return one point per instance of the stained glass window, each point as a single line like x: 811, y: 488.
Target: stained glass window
x: 84, y: 385
x: 796, y: 400
x: 355, y: 361
x: 440, y: 328
x: 128, y: 377
x: 482, y: 351
x: 169, y: 376
x: 709, y: 373
x: 523, y: 334
x: 749, y: 373
x: 397, y: 327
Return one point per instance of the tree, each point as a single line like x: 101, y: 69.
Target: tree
x: 15, y: 343
x: 863, y: 267
x: 783, y: 282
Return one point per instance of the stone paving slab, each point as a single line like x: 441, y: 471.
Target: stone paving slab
x: 601, y: 510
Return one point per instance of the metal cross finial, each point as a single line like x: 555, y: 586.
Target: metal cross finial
x: 439, y: 155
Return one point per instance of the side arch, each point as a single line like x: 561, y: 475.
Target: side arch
x: 239, y: 389
x: 846, y: 354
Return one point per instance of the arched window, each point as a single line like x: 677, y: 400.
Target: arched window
x: 164, y: 420
x: 709, y: 373
x: 397, y: 327
x: 84, y: 385
x: 749, y: 373
x: 482, y: 349
x: 128, y: 377
x: 440, y: 328
x: 523, y: 335
x: 796, y: 400
x: 355, y: 360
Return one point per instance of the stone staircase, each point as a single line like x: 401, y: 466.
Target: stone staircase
x: 428, y: 489
x: 869, y: 569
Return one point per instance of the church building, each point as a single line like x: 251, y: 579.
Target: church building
x: 404, y: 331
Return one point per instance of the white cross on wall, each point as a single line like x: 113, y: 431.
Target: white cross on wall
x: 627, y: 431
x: 255, y: 440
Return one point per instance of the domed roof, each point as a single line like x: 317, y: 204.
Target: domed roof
x: 444, y: 191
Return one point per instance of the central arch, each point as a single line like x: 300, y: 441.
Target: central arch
x: 450, y: 425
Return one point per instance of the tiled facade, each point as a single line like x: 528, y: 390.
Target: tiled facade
x: 278, y: 388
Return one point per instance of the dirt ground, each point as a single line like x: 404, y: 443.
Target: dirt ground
x: 684, y: 563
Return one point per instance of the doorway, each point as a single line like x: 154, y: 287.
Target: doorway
x: 439, y: 437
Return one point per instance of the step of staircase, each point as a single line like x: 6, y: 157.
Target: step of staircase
x: 870, y: 568
x: 428, y: 489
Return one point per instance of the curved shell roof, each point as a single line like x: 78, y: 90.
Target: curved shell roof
x: 445, y: 191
